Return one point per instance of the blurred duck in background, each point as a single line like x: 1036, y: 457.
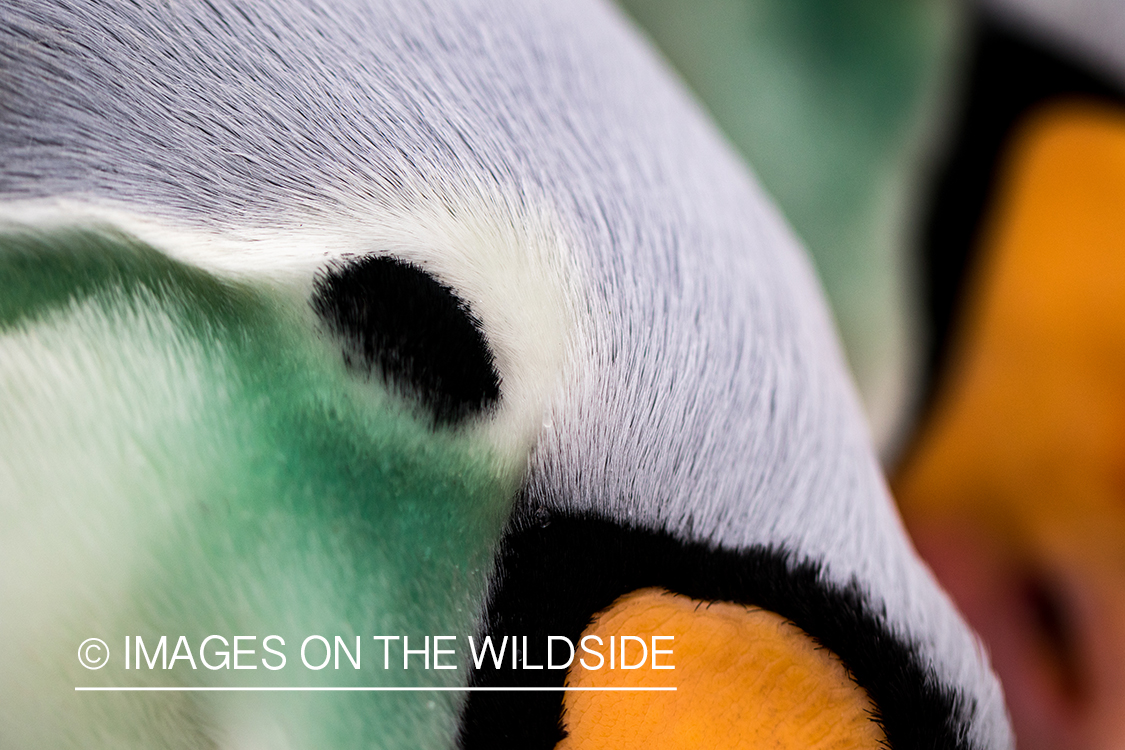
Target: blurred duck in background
x: 958, y: 172
x: 1013, y: 486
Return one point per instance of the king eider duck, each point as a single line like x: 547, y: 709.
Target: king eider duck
x: 1012, y: 487
x: 1012, y: 484
x: 339, y: 336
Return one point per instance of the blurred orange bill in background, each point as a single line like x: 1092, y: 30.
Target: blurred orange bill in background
x: 1014, y: 490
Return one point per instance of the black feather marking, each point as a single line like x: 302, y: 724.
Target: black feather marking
x: 1011, y: 77
x: 554, y: 576
x: 399, y: 321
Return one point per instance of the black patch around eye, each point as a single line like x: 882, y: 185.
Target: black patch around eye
x: 398, y: 320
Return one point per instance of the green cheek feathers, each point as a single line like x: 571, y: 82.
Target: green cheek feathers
x: 182, y: 455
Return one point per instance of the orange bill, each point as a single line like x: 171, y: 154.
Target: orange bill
x: 744, y: 678
x: 1015, y: 490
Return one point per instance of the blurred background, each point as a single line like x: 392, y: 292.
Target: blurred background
x: 957, y: 171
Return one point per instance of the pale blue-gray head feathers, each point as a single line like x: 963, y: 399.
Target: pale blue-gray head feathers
x: 652, y: 348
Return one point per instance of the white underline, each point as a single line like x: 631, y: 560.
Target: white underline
x: 370, y: 689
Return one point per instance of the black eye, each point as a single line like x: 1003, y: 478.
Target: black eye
x: 398, y: 320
